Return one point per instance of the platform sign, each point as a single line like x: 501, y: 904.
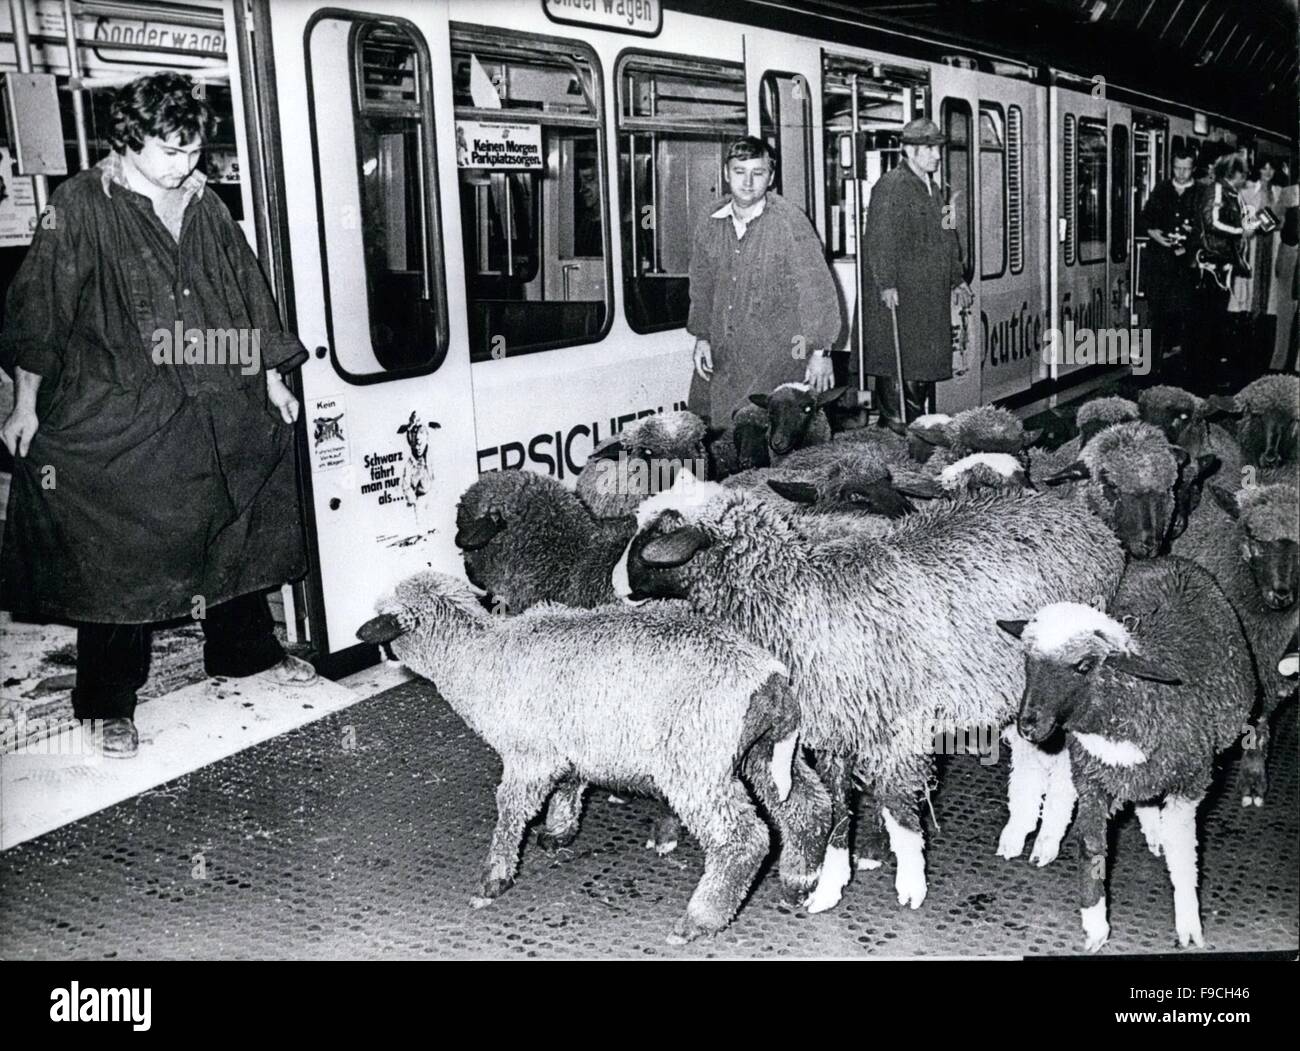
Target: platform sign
x: 501, y: 147
x: 643, y: 17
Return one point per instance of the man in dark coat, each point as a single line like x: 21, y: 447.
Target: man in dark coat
x: 1170, y: 219
x: 764, y: 309
x: 152, y: 431
x: 913, y: 264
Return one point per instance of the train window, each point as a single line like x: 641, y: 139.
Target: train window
x: 530, y: 153
x: 785, y: 121
x: 1067, y: 186
x: 1015, y: 189
x: 1090, y: 194
x: 957, y: 174
x: 376, y: 185
x: 676, y: 117
x: 1148, y: 163
x: 1120, y: 194
x: 993, y: 191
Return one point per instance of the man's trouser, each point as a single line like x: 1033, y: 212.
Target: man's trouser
x: 920, y: 394
x: 113, y: 659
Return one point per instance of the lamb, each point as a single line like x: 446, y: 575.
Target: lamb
x: 1267, y: 412
x: 741, y: 446
x: 796, y: 417
x: 841, y: 613
x: 640, y: 460
x: 1148, y: 696
x: 1250, y: 549
x: 526, y: 539
x: 655, y: 700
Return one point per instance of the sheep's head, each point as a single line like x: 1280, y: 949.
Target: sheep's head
x: 652, y: 449
x: 1266, y: 411
x: 1140, y: 485
x: 1267, y: 515
x: 985, y: 471
x: 1066, y: 645
x: 692, y: 537
x: 1095, y: 416
x: 425, y: 605
x: 863, y: 487
x: 922, y: 434
x: 985, y: 429
x: 792, y: 410
x: 1172, y: 409
x: 750, y: 434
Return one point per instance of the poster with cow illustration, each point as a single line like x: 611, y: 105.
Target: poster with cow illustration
x: 400, y: 479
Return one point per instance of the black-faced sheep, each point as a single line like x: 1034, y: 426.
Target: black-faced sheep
x: 655, y: 700
x: 1183, y: 417
x: 1092, y: 418
x: 640, y: 460
x: 843, y: 614
x: 1267, y: 414
x: 741, y: 446
x: 1148, y: 696
x: 796, y: 417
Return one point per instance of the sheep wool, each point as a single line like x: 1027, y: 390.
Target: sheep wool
x: 640, y: 460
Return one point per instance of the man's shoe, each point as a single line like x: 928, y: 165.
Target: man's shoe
x: 118, y: 738
x: 292, y: 671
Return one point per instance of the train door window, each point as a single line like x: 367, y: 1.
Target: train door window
x: 785, y: 121
x: 1015, y: 189
x: 676, y: 117
x: 957, y: 174
x: 1148, y: 163
x: 993, y: 191
x: 1070, y: 152
x: 1121, y: 194
x: 1090, y: 183
x: 376, y: 186
x: 531, y: 154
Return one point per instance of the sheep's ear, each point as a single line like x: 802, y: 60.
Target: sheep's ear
x: 1207, y: 465
x: 403, y: 428
x: 931, y: 433
x: 675, y: 548
x: 759, y: 399
x: 799, y: 492
x: 1076, y: 472
x: 1182, y: 456
x: 610, y: 451
x: 1013, y: 627
x: 479, y: 533
x: 919, y: 488
x: 828, y: 396
x: 1031, y: 437
x: 1218, y: 406
x: 434, y: 424
x: 383, y: 628
x: 1226, y: 500
x: 1143, y: 668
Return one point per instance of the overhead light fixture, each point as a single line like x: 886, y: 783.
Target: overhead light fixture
x: 1200, y: 124
x: 1097, y: 10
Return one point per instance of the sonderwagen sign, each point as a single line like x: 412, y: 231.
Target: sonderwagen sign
x: 627, y: 16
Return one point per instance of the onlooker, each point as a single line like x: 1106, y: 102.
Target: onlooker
x: 1251, y: 298
x: 764, y: 308
x: 1170, y: 221
x: 1284, y: 298
x: 149, y: 486
x: 914, y: 267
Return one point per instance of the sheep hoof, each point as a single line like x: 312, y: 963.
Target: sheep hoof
x: 1044, y: 853
x: 617, y: 799
x: 663, y: 849
x: 478, y: 902
x: 552, y: 841
x: 911, y: 889
x: 490, y: 891
x: 1191, y: 935
x: 1094, y: 942
x: 687, y: 930
x: 868, y: 864
x: 1011, y: 844
x: 834, y: 878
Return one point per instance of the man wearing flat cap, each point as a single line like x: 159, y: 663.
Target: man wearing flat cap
x: 913, y: 264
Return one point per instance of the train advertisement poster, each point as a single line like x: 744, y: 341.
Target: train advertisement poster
x: 329, y: 433
x: 17, y: 204
x: 501, y: 147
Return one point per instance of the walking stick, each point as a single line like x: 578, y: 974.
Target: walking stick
x: 898, y: 364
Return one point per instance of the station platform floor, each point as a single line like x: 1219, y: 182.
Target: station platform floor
x: 362, y: 833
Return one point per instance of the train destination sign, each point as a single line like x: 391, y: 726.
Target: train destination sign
x: 481, y: 144
x: 644, y: 17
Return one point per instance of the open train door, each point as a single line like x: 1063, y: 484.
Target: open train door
x: 348, y: 121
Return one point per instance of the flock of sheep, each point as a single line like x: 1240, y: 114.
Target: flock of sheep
x: 712, y: 609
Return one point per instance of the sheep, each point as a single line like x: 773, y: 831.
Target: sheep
x: 655, y: 700
x: 640, y: 460
x: 842, y: 611
x: 526, y: 539
x: 1250, y: 549
x: 984, y: 429
x: 796, y: 417
x: 1183, y: 418
x: 1092, y: 418
x: 890, y: 447
x: 1140, y: 485
x: 741, y: 446
x: 994, y: 471
x: 1148, y: 696
x: 1266, y: 411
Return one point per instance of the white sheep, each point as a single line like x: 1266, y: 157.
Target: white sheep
x: 657, y: 701
x: 888, y: 638
x: 1148, y: 696
x: 640, y: 460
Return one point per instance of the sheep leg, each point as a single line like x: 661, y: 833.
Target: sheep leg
x: 665, y: 834
x: 1058, y: 806
x: 1026, y: 787
x: 903, y: 823
x: 518, y: 799
x: 735, y: 841
x: 835, y: 872
x: 802, y: 819
x: 869, y: 835
x: 1254, y: 761
x: 1090, y: 830
x: 1178, y: 833
x: 1149, y: 819
x: 563, y: 815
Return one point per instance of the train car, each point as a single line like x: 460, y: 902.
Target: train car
x: 477, y: 216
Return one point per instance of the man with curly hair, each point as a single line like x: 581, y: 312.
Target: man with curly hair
x: 154, y: 476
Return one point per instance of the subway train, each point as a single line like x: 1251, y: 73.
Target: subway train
x: 477, y: 216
